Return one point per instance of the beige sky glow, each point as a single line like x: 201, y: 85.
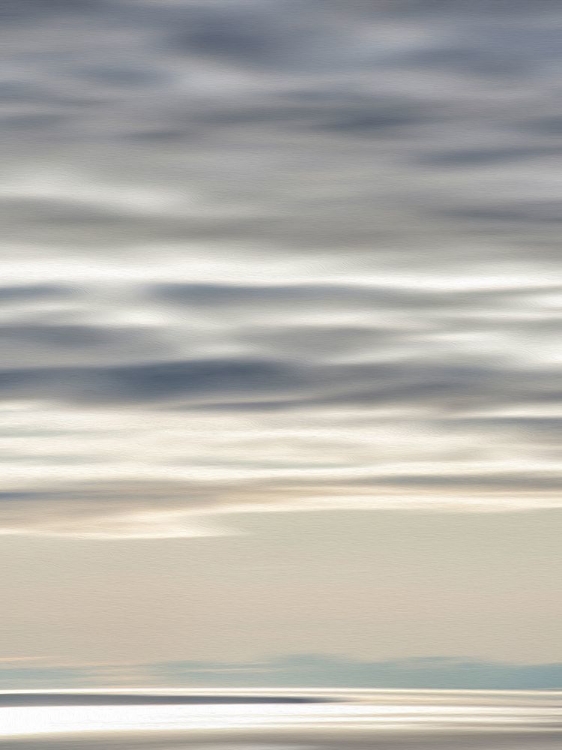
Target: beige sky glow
x: 369, y: 585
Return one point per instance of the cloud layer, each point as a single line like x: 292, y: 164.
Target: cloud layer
x: 277, y: 255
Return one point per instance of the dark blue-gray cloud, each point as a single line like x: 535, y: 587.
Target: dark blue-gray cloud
x: 476, y: 158
x: 32, y: 11
x: 35, y: 293
x: 223, y: 381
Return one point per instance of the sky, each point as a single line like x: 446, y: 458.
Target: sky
x: 279, y: 336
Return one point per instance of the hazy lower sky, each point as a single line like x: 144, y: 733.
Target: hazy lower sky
x: 280, y: 330
x: 368, y: 585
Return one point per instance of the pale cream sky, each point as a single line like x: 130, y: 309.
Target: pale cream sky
x: 369, y: 585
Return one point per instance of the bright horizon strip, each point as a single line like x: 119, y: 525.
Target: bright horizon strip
x: 494, y: 714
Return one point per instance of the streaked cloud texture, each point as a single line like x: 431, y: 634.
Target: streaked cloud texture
x: 277, y: 255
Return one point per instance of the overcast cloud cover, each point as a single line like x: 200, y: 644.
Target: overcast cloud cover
x: 277, y: 255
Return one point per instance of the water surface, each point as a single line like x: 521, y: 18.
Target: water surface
x: 282, y: 720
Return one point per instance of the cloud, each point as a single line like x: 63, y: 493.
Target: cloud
x: 35, y: 10
x: 287, y: 247
x: 251, y: 35
x: 224, y: 381
x: 113, y: 511
x: 198, y: 379
x: 270, y: 402
x: 35, y: 346
x: 547, y: 125
x: 148, y: 509
x: 476, y: 158
x: 33, y: 293
x: 543, y: 212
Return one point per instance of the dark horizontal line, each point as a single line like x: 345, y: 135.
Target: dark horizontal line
x: 96, y: 699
